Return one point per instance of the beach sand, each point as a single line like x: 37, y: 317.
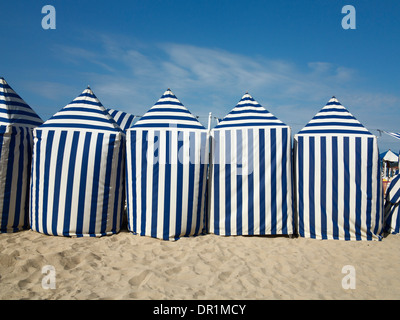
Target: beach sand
x: 209, y: 267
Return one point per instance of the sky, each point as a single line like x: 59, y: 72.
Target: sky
x: 291, y: 56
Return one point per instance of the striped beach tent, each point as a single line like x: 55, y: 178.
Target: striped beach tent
x: 392, y: 206
x: 123, y: 119
x: 337, y: 178
x: 251, y: 173
x: 17, y: 121
x: 78, y: 171
x: 167, y: 160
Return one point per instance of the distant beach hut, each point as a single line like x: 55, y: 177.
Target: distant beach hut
x: 251, y: 173
x: 338, y: 182
x: 123, y: 119
x: 167, y: 159
x: 17, y: 121
x: 390, y: 163
x: 392, y: 206
x: 78, y: 171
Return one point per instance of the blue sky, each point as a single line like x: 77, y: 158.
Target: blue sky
x: 291, y: 56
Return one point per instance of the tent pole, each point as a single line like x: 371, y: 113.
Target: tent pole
x: 209, y: 121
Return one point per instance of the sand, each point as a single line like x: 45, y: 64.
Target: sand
x: 209, y: 267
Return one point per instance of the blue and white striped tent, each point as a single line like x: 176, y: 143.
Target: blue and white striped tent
x: 337, y: 173
x: 251, y: 173
x: 167, y: 159
x: 123, y: 119
x: 17, y: 121
x: 78, y: 171
x: 392, y: 206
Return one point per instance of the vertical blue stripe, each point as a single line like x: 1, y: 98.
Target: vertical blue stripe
x: 19, y: 205
x: 262, y: 152
x: 300, y: 170
x: 82, y: 184
x: 239, y: 168
x: 8, y: 183
x: 369, y: 187
x: 227, y: 182
x: 70, y: 183
x: 120, y: 195
x: 179, y: 187
x: 143, y: 177
x: 346, y: 188
x: 192, y: 161
x: 216, y: 191
x: 359, y: 191
x: 132, y: 204
x: 154, y: 193
x: 273, y: 149
x: 29, y: 145
x: 95, y: 186
x: 167, y: 196
x: 250, y: 154
x: 107, y: 184
x: 335, y: 187
x: 323, y: 184
x: 202, y: 203
x: 311, y: 184
x: 37, y: 177
x: 284, y: 177
x: 49, y: 146
x: 57, y: 181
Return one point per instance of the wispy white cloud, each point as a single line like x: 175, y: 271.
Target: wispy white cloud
x: 132, y: 77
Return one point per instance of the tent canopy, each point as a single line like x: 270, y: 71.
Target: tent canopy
x: 338, y: 184
x: 251, y: 185
x: 389, y: 156
x: 166, y: 171
x: 15, y: 111
x: 77, y: 171
x: 248, y: 113
x: 17, y: 121
x: 123, y: 119
x: 168, y: 112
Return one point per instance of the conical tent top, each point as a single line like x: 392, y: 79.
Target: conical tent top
x: 168, y: 112
x: 334, y: 119
x: 14, y: 110
x: 85, y: 112
x: 249, y: 113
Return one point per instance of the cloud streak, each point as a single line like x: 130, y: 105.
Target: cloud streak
x: 132, y: 77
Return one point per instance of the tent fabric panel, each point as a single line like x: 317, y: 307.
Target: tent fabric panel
x: 251, y: 182
x: 15, y: 164
x: 123, y: 119
x: 166, y: 182
x: 168, y: 111
x: 392, y: 206
x: 77, y: 183
x: 338, y: 187
x: 14, y: 110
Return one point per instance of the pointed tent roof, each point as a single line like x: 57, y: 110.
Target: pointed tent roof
x: 334, y: 119
x: 84, y: 112
x: 168, y: 112
x: 14, y: 110
x: 123, y: 119
x: 390, y: 156
x: 249, y: 113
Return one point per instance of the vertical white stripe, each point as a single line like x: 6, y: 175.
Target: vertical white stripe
x: 329, y: 190
x: 185, y: 187
x: 234, y: 173
x: 63, y: 184
x: 317, y: 187
x: 352, y: 188
x: 245, y: 181
x: 162, y: 160
x: 341, y: 183
x: 174, y: 177
x: 137, y: 179
x: 256, y: 179
x: 76, y: 190
x: 267, y: 168
x: 149, y: 181
x: 222, y: 170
